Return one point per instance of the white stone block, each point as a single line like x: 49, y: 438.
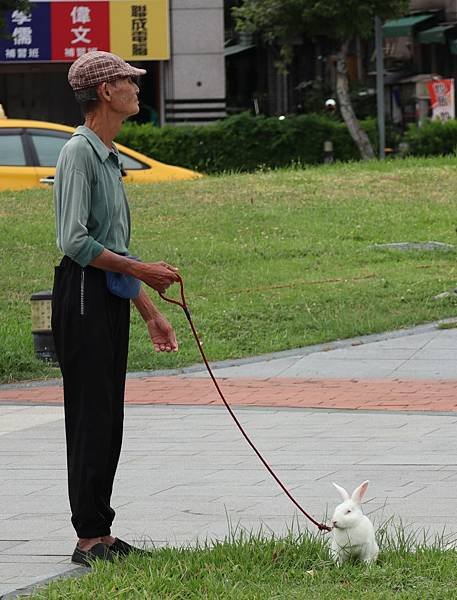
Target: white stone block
x: 197, y: 76
x: 197, y: 32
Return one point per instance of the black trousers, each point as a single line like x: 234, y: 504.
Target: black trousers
x: 91, y: 335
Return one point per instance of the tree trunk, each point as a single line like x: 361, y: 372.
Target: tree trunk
x: 342, y: 89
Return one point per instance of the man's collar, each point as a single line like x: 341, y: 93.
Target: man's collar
x: 100, y: 149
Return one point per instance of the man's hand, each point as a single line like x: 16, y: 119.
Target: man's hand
x: 160, y: 331
x: 162, y: 334
x: 158, y: 275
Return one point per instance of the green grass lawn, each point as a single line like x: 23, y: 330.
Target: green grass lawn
x: 271, y: 261
x: 257, y: 568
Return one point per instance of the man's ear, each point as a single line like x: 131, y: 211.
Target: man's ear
x: 103, y: 91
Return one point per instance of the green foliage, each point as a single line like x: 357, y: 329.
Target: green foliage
x: 281, y: 21
x: 245, y: 143
x: 338, y: 19
x: 5, y: 5
x: 433, y: 138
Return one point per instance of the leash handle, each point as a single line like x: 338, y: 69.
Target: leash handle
x: 183, y: 305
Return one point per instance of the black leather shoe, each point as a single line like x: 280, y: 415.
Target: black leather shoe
x: 121, y: 548
x: 86, y: 558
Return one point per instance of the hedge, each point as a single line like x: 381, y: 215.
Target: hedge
x: 244, y: 142
x: 433, y: 138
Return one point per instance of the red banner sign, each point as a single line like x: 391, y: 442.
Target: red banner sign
x: 79, y: 28
x: 442, y: 101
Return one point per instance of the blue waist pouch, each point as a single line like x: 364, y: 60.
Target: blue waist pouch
x: 124, y: 286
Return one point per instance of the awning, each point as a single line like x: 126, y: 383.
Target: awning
x: 435, y: 35
x: 229, y: 50
x: 405, y: 26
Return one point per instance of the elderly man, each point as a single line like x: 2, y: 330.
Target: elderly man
x: 93, y: 286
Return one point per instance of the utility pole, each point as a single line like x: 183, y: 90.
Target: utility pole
x: 380, y: 87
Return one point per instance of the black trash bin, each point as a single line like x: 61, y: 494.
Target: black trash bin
x: 43, y: 340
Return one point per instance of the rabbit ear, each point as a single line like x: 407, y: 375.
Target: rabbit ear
x: 359, y: 493
x: 341, y: 491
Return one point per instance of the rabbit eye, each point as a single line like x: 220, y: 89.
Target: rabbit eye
x: 348, y: 511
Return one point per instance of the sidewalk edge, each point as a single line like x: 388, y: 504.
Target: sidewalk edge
x: 235, y: 362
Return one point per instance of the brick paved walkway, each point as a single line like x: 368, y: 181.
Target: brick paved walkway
x: 372, y: 394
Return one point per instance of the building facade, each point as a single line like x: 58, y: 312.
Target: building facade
x: 420, y: 52
x: 449, y: 7
x: 194, y: 76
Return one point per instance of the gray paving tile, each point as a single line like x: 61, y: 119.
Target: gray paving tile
x: 38, y: 503
x: 415, y: 341
x: 408, y: 356
x: 423, y: 369
x: 375, y: 351
x: 42, y: 547
x: 7, y: 544
x: 28, y: 418
x: 31, y: 573
x: 18, y: 530
x: 41, y: 559
x: 444, y: 339
x: 431, y: 352
x: 260, y: 370
x: 315, y: 367
x: 22, y: 488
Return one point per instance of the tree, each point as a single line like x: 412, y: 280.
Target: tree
x: 281, y: 21
x: 5, y: 5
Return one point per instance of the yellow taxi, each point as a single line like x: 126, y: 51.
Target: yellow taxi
x: 29, y: 151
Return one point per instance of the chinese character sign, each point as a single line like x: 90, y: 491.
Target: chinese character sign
x: 137, y: 29
x: 441, y: 94
x: 79, y: 27
x: 63, y: 30
x: 28, y: 35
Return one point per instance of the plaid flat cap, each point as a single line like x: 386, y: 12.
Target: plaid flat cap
x: 97, y: 67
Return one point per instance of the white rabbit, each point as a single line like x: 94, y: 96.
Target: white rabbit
x: 352, y: 531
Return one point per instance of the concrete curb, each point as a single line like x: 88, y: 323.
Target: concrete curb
x: 30, y: 589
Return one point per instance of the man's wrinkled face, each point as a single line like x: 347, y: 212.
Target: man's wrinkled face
x: 124, y: 96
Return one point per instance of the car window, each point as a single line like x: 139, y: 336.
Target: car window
x: 11, y: 150
x: 48, y: 147
x: 130, y: 163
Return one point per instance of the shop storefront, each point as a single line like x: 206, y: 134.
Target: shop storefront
x: 35, y: 58
x: 420, y: 56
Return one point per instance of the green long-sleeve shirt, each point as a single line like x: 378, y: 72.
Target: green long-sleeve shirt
x: 91, y: 206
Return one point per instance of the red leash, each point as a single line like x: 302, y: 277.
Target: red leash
x: 183, y: 305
